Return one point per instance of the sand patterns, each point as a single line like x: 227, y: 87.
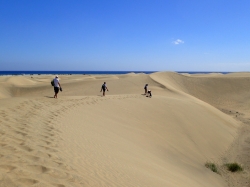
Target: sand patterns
x: 30, y: 142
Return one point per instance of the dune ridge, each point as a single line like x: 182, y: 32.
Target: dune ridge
x: 125, y: 138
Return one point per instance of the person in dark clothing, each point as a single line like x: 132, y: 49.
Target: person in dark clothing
x: 146, y: 89
x: 104, y: 88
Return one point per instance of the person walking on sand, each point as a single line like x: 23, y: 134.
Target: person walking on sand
x: 104, y: 88
x: 146, y: 89
x: 57, y: 86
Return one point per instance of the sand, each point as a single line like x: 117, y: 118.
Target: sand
x: 124, y: 139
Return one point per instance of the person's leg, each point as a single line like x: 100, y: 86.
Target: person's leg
x: 55, y: 96
x: 56, y: 92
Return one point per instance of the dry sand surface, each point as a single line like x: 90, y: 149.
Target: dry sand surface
x: 124, y: 139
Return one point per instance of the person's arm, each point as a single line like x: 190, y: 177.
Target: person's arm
x: 107, y: 88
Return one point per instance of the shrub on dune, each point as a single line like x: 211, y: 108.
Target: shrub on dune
x: 234, y: 167
x: 211, y: 166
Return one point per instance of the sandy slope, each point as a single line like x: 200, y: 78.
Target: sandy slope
x: 124, y: 139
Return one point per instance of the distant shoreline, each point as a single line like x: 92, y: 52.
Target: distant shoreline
x: 13, y: 73
x: 70, y: 72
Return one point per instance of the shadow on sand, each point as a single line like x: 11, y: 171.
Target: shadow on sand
x: 49, y: 96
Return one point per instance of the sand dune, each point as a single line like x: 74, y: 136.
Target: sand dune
x: 124, y: 139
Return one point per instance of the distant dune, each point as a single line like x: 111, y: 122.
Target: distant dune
x: 124, y: 139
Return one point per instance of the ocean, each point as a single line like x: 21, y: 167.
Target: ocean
x: 69, y: 72
x: 89, y: 72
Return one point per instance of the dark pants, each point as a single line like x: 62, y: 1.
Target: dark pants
x: 56, y: 89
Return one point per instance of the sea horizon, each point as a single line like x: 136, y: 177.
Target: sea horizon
x: 95, y: 72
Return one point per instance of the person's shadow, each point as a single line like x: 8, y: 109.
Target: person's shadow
x: 49, y: 96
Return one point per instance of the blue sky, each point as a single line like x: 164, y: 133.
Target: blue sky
x: 139, y: 35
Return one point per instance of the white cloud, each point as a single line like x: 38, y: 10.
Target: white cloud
x: 177, y: 42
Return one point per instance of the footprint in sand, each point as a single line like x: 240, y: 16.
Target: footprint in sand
x: 28, y: 182
x: 58, y: 174
x: 48, y: 148
x: 38, y: 169
x: 59, y: 185
x: 7, y: 168
x: 25, y: 148
x: 32, y: 158
x: 21, y: 133
x: 2, y: 144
